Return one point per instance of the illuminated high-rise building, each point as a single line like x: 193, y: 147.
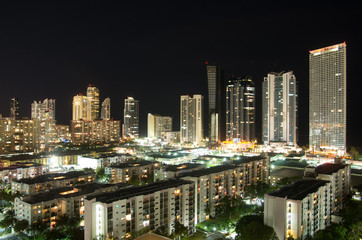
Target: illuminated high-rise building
x: 45, y: 132
x: 106, y: 109
x: 279, y: 111
x: 157, y: 124
x: 79, y: 107
x: 191, y: 119
x: 327, y: 98
x: 92, y: 103
x: 14, y: 108
x: 43, y: 110
x: 240, y: 109
x: 130, y: 127
x: 216, y: 102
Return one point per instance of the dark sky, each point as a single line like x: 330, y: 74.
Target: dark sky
x: 156, y: 52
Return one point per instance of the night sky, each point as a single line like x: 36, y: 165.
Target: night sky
x: 157, y: 52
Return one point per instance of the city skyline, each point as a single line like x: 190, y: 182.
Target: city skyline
x: 54, y: 63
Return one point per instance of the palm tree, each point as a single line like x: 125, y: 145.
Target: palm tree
x: 9, y: 219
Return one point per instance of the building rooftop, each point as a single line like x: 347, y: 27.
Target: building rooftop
x: 183, y: 167
x: 52, y: 177
x: 207, y: 171
x: 299, y: 189
x: 22, y: 165
x: 329, y: 168
x: 68, y: 192
x: 125, y: 193
x: 131, y: 164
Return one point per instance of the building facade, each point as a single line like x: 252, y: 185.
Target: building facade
x: 143, y: 171
x: 14, y: 108
x: 340, y: 177
x: 240, y: 109
x: 191, y: 119
x: 17, y: 135
x: 96, y: 131
x: 117, y: 214
x: 216, y: 102
x: 79, y: 107
x: 106, y: 109
x: 327, y: 98
x: 51, y: 205
x: 92, y: 103
x: 22, y: 170
x: 30, y: 186
x: 280, y: 108
x: 212, y: 184
x: 157, y: 124
x: 299, y: 210
x: 43, y: 110
x: 130, y: 126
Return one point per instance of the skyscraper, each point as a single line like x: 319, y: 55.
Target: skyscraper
x: 327, y: 97
x: 279, y: 111
x: 43, y: 110
x: 191, y: 119
x: 240, y: 109
x: 43, y: 115
x: 130, y: 126
x: 106, y: 109
x: 79, y: 107
x: 216, y: 102
x: 14, y: 108
x: 92, y: 103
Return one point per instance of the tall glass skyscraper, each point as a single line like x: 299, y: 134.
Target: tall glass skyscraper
x: 106, y: 109
x: 240, y: 109
x: 279, y: 111
x: 216, y: 102
x: 92, y: 103
x: 327, y: 98
x: 130, y: 126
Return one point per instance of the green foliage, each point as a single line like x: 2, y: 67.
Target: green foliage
x: 38, y: 227
x: 244, y: 221
x: 69, y: 226
x: 257, y: 230
x: 258, y: 190
x: 287, y: 180
x: 9, y: 219
x: 21, y: 225
x: 180, y: 230
x: 197, y: 235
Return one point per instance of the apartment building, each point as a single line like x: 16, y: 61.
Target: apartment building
x: 50, y: 205
x: 30, y: 186
x: 213, y: 183
x: 116, y: 214
x: 22, y: 170
x: 340, y: 177
x: 143, y: 170
x: 299, y: 210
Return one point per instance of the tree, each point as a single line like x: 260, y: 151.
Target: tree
x: 69, y: 226
x: 9, y: 219
x: 38, y: 227
x: 355, y: 231
x: 134, y: 180
x: 180, y: 230
x: 257, y: 230
x: 244, y: 221
x: 21, y: 225
x: 354, y: 152
x: 258, y: 190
